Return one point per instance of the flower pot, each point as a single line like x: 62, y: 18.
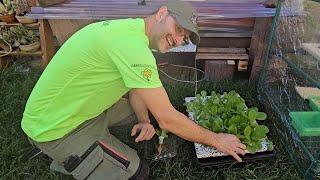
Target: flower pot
x: 8, y: 18
x: 25, y: 20
x: 30, y: 47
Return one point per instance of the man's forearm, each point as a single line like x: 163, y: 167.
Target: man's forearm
x: 177, y: 123
x: 139, y: 108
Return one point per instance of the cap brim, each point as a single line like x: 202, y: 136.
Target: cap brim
x: 194, y: 37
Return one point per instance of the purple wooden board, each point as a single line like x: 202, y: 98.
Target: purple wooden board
x: 111, y: 9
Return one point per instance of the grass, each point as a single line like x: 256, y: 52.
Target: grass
x: 15, y: 149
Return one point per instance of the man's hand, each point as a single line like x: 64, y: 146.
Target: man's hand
x: 229, y: 144
x: 146, y: 131
x: 169, y: 119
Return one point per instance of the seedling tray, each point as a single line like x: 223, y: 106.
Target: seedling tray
x: 227, y: 160
x: 209, y: 156
x: 314, y: 102
x: 306, y: 123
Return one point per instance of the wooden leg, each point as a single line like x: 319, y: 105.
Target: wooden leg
x: 4, y: 62
x: 47, y: 43
x: 258, y: 46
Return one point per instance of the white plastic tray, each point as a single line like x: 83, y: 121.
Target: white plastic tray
x: 203, y: 151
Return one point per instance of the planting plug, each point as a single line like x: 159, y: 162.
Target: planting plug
x: 162, y: 134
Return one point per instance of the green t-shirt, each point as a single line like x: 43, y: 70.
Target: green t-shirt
x: 90, y: 72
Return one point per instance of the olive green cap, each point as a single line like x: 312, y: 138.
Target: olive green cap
x: 186, y: 16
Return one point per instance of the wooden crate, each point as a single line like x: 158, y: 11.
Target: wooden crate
x: 221, y: 63
x: 219, y: 70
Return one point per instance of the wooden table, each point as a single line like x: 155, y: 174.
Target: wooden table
x: 222, y: 23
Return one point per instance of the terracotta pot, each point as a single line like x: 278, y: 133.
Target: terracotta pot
x: 25, y: 20
x: 8, y: 18
x: 30, y: 47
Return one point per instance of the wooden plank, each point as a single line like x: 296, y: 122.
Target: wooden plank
x: 45, y: 3
x: 225, y: 42
x: 305, y: 92
x: 258, y: 46
x: 221, y: 50
x: 29, y: 26
x: 216, y: 23
x: 219, y: 34
x: 313, y: 49
x: 61, y: 32
x: 231, y: 62
x: 211, y: 56
x: 108, y: 9
x: 4, y: 62
x: 46, y: 41
x: 219, y: 70
x: 22, y: 53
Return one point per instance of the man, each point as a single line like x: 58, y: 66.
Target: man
x: 79, y: 95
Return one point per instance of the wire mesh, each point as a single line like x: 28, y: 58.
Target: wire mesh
x: 293, y: 60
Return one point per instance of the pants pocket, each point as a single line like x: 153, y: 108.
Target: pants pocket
x: 99, y: 153
x: 114, y: 156
x: 87, y: 165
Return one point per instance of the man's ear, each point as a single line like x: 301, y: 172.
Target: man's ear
x: 162, y: 13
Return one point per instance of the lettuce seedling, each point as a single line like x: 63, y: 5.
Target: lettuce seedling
x: 228, y: 113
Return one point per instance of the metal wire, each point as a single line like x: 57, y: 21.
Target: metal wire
x: 184, y: 81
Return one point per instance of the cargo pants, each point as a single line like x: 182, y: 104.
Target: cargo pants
x: 104, y: 156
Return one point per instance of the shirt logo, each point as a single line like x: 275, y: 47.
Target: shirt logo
x: 105, y: 23
x: 147, y: 73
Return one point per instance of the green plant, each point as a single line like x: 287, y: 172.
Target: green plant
x: 228, y: 113
x: 162, y: 134
x: 19, y: 35
x: 22, y: 7
x: 7, y: 7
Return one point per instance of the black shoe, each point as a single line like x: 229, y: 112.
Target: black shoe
x: 143, y: 171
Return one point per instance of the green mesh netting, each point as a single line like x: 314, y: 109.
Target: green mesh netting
x: 293, y: 59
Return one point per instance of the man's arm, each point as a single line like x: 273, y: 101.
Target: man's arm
x: 139, y: 107
x: 145, y: 130
x: 170, y: 119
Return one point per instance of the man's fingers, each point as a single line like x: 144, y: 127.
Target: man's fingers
x: 242, y: 146
x: 142, y: 134
x: 146, y: 132
x: 235, y: 155
x: 134, y: 129
x: 240, y: 151
x: 151, y: 133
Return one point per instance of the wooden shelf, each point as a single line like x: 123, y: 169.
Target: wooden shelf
x: 30, y: 26
x: 22, y: 53
x: 221, y: 50
x: 34, y: 26
x: 313, y: 49
x: 211, y: 56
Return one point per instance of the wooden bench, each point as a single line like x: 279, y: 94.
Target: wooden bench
x: 221, y: 63
x: 222, y: 23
